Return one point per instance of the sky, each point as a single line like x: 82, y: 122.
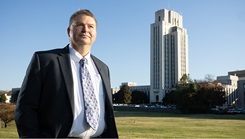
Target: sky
x: 216, y: 35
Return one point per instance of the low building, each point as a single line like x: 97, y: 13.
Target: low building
x: 128, y: 84
x: 229, y: 83
x: 142, y: 88
x: 234, y: 84
x: 241, y: 86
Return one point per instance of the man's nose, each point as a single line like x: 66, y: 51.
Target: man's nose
x: 85, y: 28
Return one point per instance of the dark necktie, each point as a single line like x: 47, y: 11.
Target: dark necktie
x: 90, y: 102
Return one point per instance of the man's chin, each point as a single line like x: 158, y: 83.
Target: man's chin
x: 85, y: 40
x: 84, y: 43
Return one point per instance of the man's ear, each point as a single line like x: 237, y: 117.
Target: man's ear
x: 68, y: 31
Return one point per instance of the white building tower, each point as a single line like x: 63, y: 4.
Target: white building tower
x: 169, y: 53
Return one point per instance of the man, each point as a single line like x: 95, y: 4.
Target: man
x: 52, y: 96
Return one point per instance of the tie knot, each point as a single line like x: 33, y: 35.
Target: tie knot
x: 83, y: 61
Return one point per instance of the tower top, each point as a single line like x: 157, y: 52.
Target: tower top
x: 169, y: 17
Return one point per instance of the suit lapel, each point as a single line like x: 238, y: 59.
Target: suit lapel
x: 65, y: 65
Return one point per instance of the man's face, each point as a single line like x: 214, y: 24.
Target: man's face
x: 82, y: 31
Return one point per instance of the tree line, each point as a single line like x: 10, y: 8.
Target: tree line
x: 188, y: 96
x: 125, y: 96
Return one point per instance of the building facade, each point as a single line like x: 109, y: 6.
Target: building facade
x: 241, y: 87
x: 168, y: 53
x: 229, y: 83
x: 128, y: 84
x: 142, y: 88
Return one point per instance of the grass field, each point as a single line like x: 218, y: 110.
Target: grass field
x: 168, y: 125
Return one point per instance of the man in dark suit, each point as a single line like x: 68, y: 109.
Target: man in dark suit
x: 51, y: 102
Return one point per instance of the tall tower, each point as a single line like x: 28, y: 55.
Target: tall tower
x: 169, y: 53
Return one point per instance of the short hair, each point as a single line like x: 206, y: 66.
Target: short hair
x: 82, y: 12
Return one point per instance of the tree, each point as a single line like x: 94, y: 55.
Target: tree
x: 7, y: 113
x: 118, y: 97
x: 2, y: 96
x: 184, y: 97
x: 185, y: 79
x: 170, y: 98
x: 214, y: 92
x: 139, y: 97
x: 209, y: 78
x: 196, y: 97
x: 123, y: 95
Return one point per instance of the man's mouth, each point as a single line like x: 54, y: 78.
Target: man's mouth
x: 84, y: 36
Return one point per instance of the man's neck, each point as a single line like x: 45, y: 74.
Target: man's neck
x: 83, y: 50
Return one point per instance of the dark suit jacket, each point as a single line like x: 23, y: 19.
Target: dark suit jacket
x: 45, y: 104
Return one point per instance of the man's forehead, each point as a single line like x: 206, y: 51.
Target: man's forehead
x: 84, y: 18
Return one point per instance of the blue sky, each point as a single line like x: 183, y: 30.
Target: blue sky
x: 216, y: 30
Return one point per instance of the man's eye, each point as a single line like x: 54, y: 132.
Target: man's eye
x: 79, y: 25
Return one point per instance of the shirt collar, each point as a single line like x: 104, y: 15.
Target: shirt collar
x: 76, y: 56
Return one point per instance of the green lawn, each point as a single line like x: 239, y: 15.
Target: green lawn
x: 162, y: 125
x: 167, y: 125
x: 9, y: 132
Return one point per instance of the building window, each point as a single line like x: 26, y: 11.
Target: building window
x: 159, y: 18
